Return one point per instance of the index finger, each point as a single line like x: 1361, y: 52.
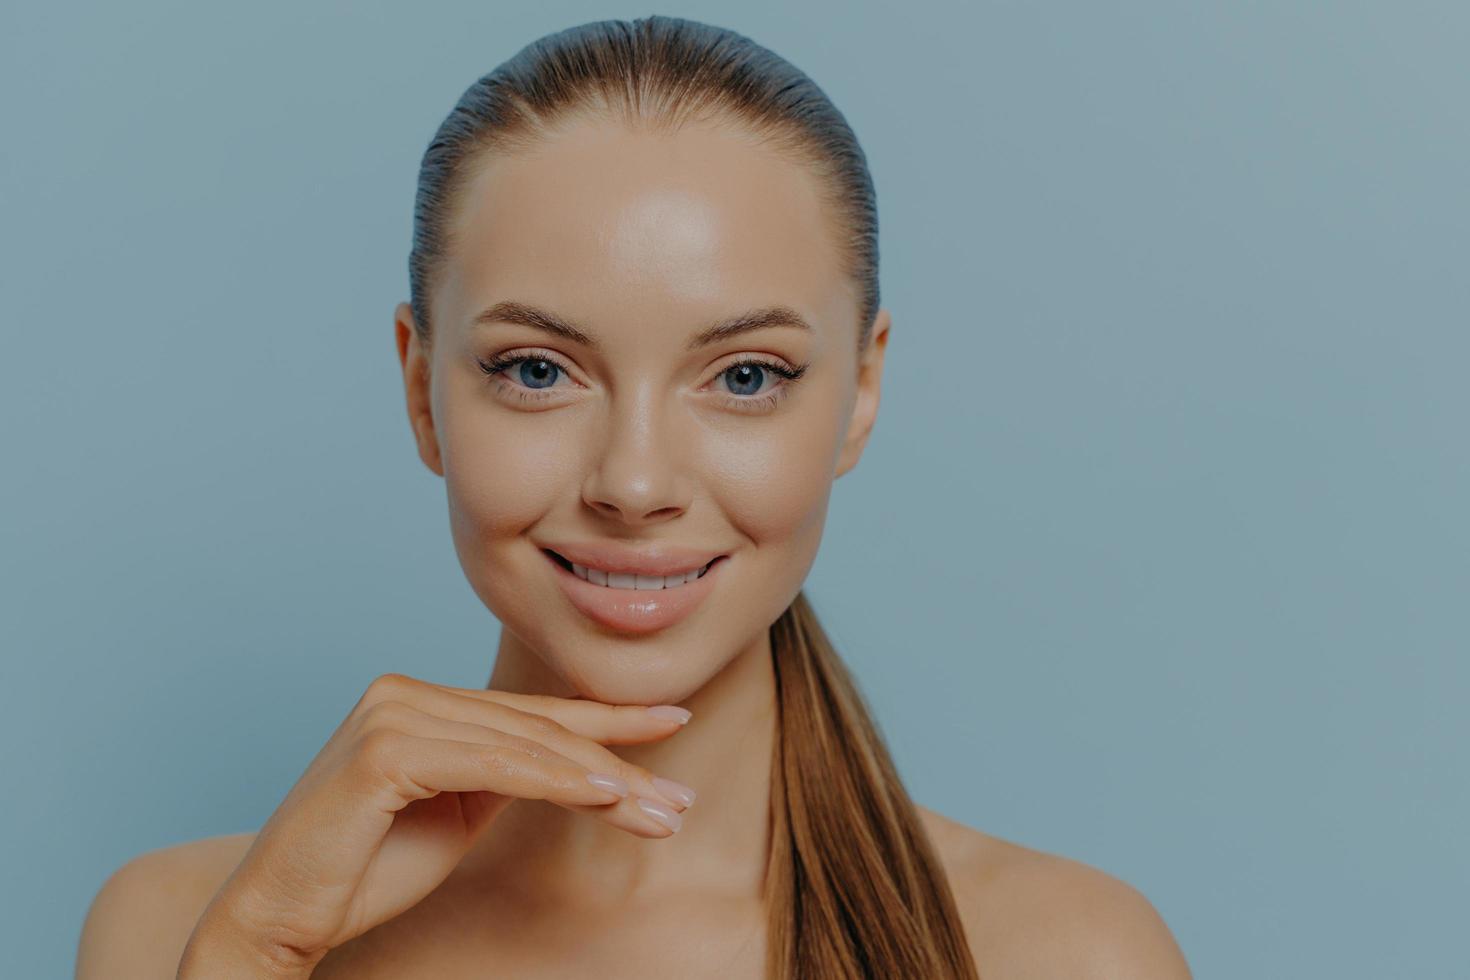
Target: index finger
x: 610, y: 724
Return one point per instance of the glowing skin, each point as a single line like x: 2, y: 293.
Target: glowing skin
x: 642, y: 241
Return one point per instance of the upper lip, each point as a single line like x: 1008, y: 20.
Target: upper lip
x: 621, y: 559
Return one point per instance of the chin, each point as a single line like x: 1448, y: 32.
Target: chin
x: 648, y: 671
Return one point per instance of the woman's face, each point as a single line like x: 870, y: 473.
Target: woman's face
x: 633, y: 438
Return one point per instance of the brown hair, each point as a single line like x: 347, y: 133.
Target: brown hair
x: 853, y: 884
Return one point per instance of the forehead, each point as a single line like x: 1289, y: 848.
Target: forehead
x: 632, y: 231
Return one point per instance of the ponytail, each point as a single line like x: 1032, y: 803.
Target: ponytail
x: 854, y: 888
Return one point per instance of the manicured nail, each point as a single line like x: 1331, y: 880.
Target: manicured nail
x: 677, y: 792
x: 610, y: 783
x: 669, y: 818
x: 670, y: 712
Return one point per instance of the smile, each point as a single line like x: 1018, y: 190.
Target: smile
x: 624, y: 580
x: 634, y: 603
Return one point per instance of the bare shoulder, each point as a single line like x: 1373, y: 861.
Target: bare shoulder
x: 1030, y: 914
x: 140, y: 919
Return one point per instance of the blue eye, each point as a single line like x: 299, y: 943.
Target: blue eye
x: 534, y: 372
x: 745, y: 378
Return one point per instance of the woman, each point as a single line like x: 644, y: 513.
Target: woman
x: 643, y: 340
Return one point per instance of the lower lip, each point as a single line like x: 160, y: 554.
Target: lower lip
x: 635, y: 610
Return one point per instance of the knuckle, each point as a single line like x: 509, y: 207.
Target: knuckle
x: 379, y: 750
x: 498, y: 761
x: 391, y: 686
x: 386, y: 714
x: 544, y: 727
x: 526, y: 746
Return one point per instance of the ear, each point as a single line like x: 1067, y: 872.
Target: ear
x: 413, y: 358
x: 865, y: 407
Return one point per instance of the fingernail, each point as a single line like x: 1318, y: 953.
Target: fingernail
x: 670, y: 712
x: 669, y: 818
x: 677, y: 792
x: 610, y: 783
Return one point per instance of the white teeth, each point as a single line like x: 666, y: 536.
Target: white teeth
x: 617, y: 580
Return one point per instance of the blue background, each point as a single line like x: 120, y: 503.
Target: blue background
x: 1158, y: 558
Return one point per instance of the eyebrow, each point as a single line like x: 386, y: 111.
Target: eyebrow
x: 510, y: 311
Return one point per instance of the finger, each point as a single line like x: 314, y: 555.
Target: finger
x: 626, y: 810
x: 409, y: 767
x: 551, y: 733
x: 400, y: 716
x: 609, y: 724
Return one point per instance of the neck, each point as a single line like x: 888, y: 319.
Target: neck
x: 545, y: 852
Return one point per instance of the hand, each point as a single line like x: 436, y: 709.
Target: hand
x: 401, y: 790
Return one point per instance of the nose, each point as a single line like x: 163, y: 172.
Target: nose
x: 638, y: 477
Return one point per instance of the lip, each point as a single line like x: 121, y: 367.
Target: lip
x: 636, y: 610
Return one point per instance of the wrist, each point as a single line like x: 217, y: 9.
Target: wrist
x: 221, y: 951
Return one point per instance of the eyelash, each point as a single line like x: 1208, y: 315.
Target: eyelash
x: 498, y: 365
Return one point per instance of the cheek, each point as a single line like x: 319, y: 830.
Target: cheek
x: 501, y: 472
x: 772, y: 478
x: 768, y: 478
